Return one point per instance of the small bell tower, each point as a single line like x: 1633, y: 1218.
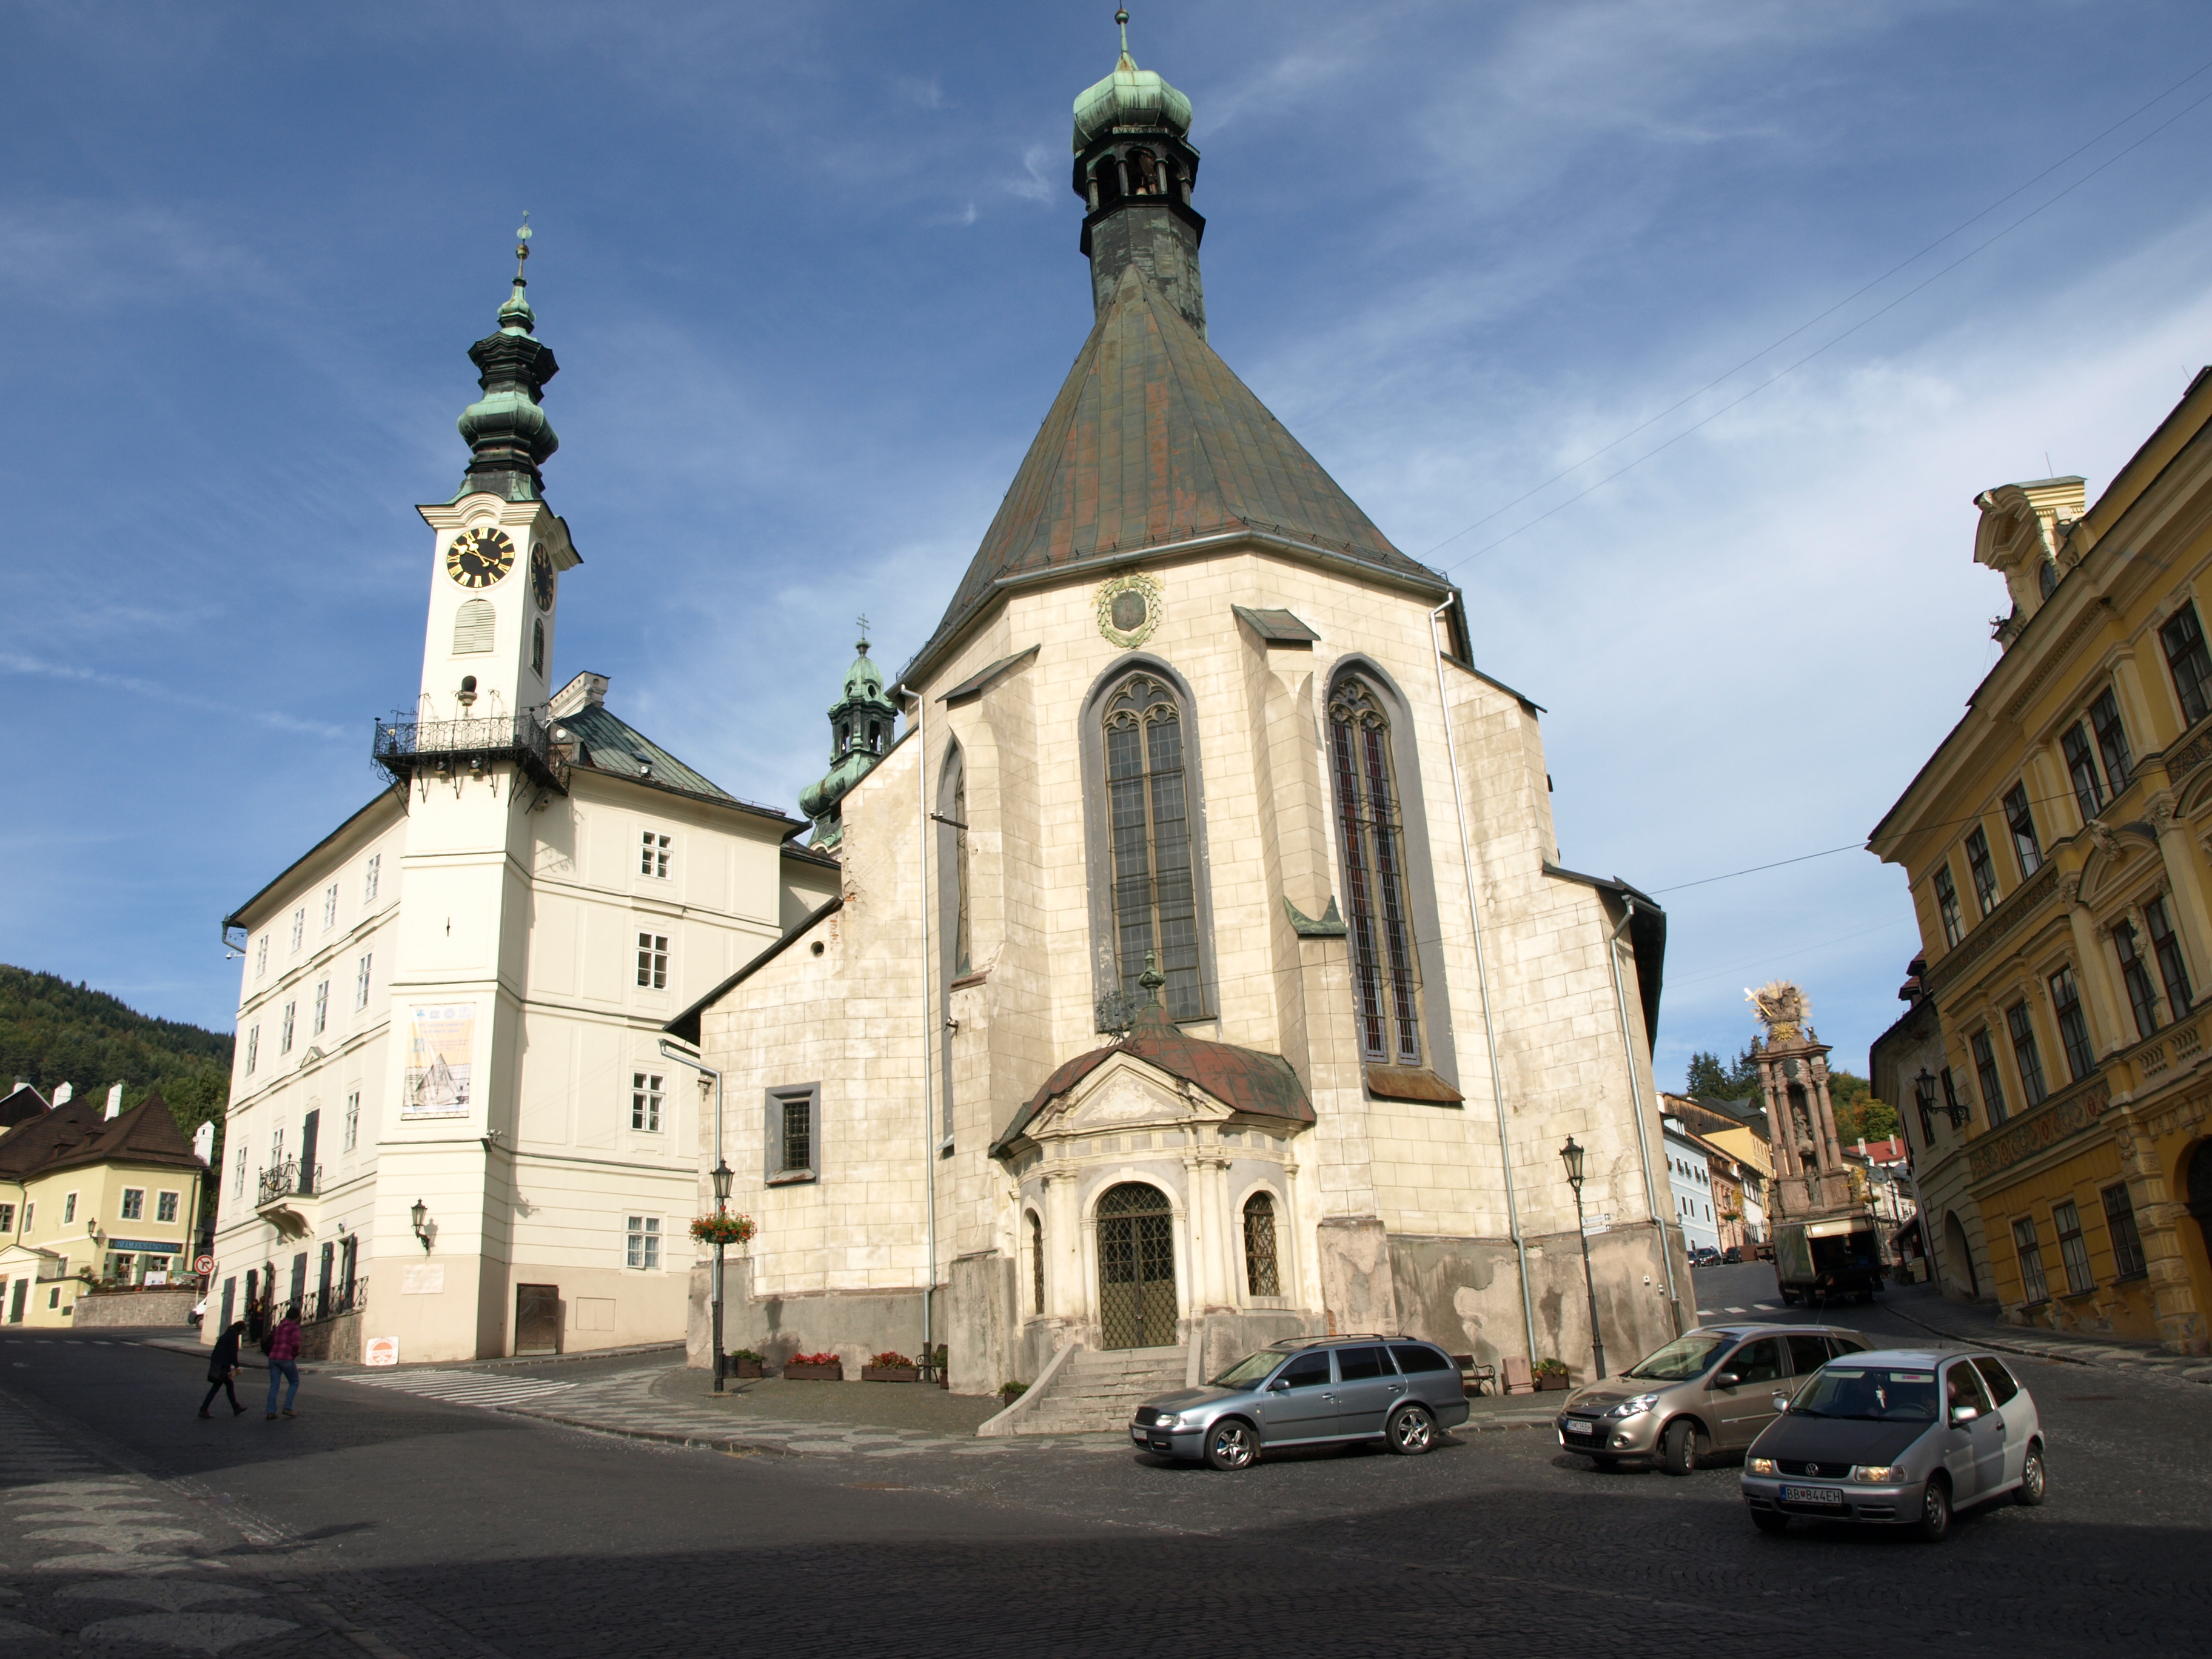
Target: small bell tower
x: 863, y: 723
x: 1135, y: 167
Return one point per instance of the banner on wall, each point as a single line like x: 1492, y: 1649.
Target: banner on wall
x: 440, y: 1051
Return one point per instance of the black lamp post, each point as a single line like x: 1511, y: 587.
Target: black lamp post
x: 722, y: 1176
x: 1571, y: 1156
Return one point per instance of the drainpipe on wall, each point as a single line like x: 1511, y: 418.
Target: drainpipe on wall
x: 928, y: 1026
x: 685, y: 1057
x: 1482, y: 986
x: 1635, y: 1099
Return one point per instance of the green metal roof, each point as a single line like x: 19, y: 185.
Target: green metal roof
x: 612, y: 745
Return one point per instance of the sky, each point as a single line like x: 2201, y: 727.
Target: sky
x: 811, y: 274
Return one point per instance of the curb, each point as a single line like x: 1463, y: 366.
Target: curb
x: 665, y: 1437
x: 2155, y: 1369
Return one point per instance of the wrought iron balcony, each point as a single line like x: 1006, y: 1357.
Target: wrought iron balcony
x: 289, y: 1180
x: 408, y: 748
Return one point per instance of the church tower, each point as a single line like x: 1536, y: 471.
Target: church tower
x: 862, y: 722
x: 1134, y: 168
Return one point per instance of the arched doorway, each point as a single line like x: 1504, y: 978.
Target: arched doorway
x: 1958, y: 1256
x: 1136, y: 1268
x: 2200, y: 1190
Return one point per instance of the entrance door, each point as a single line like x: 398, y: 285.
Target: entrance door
x: 1136, y: 1268
x: 22, y: 1289
x: 536, y: 1319
x: 2200, y: 1190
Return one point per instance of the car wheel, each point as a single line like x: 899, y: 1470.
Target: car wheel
x: 1231, y: 1445
x: 1767, y: 1520
x: 2030, y: 1489
x: 1412, y: 1432
x: 1935, y: 1522
x: 1680, y: 1446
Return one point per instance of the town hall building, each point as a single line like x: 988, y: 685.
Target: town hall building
x: 1199, y: 969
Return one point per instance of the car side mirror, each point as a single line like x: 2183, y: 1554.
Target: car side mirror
x: 1964, y: 1414
x: 1726, y: 1380
x: 1281, y: 1385
x: 1782, y: 1403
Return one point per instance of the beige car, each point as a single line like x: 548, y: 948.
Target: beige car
x: 1710, y: 1389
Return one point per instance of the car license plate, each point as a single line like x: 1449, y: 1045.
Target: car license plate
x: 1812, y: 1495
x: 1574, y: 1427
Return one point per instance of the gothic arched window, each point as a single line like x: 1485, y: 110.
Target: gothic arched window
x: 1036, y: 1264
x: 1155, y: 900
x: 1386, y: 966
x: 1262, y: 1277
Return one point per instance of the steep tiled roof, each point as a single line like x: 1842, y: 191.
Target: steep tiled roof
x: 147, y: 1133
x: 48, y: 1138
x: 1153, y: 440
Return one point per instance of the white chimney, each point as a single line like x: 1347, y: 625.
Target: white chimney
x: 204, y: 1142
x: 62, y: 1094
x: 115, y: 1100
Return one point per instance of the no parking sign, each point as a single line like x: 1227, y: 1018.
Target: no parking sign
x: 380, y: 1350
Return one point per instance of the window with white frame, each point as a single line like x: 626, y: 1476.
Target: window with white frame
x: 299, y: 929
x: 792, y: 1134
x: 7, y: 1217
x: 69, y: 1209
x: 653, y: 961
x: 261, y: 957
x: 368, y: 875
x: 134, y: 1203
x: 237, y: 1176
x: 322, y: 1007
x: 645, y: 1098
x: 643, y: 1244
x: 284, y: 1032
x: 652, y: 855
x: 361, y: 982
x: 252, y: 1047
x: 329, y: 907
x: 165, y: 1207
x: 353, y: 1120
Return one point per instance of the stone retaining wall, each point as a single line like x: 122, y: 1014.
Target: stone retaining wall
x: 110, y: 1309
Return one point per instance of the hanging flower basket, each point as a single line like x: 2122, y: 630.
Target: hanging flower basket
x: 723, y: 1228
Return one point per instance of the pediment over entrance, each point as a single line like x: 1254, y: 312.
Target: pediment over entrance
x: 1126, y: 1093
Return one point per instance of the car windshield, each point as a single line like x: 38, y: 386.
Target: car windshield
x: 1871, y: 1394
x: 1684, y: 1358
x: 1250, y: 1368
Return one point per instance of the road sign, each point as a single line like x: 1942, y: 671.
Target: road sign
x: 1594, y: 1224
x: 203, y: 1265
x: 380, y: 1350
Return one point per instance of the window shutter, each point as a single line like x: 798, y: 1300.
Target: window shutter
x: 473, y: 624
x: 772, y: 1137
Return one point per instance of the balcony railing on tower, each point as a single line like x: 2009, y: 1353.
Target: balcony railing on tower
x: 408, y: 748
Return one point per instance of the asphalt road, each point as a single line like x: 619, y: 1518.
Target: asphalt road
x: 401, y: 1528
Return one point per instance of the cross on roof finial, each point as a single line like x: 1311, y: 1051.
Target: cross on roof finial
x: 863, y: 624
x: 522, y: 246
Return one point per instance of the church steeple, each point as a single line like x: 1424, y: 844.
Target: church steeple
x: 508, y: 435
x: 1135, y: 168
x: 862, y: 722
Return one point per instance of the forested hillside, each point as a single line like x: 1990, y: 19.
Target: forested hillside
x: 52, y: 1032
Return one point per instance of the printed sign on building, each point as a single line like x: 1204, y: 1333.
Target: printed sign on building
x: 441, y: 1050
x: 380, y: 1350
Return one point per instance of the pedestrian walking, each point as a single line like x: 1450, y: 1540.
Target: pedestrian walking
x: 283, y: 1360
x: 222, y: 1367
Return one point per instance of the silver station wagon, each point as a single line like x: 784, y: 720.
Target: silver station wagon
x: 1309, y: 1391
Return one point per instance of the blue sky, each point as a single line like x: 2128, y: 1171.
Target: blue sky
x: 811, y: 272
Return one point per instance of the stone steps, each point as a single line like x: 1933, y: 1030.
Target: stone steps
x: 1098, y: 1391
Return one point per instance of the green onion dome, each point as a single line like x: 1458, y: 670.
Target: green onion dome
x: 1129, y: 97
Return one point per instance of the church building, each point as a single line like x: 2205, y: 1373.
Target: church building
x: 1199, y: 968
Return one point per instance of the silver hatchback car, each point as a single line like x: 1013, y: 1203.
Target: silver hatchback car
x: 1310, y: 1391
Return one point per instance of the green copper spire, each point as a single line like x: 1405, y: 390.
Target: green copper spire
x: 508, y: 435
x: 862, y: 722
x: 1134, y: 169
x: 1129, y: 97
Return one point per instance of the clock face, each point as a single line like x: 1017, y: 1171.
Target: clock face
x: 541, y: 576
x: 478, y: 558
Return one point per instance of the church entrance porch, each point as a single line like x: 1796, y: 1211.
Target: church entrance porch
x: 1136, y: 1268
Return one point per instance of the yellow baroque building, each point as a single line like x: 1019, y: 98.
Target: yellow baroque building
x: 2056, y: 845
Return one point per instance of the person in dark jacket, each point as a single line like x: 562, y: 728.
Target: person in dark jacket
x: 222, y: 1366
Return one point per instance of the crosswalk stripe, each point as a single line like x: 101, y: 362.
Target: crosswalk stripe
x: 462, y: 1387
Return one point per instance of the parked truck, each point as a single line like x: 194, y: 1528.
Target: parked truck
x: 1828, y: 1259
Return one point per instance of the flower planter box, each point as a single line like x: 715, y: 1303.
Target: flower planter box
x: 743, y: 1368
x: 815, y: 1373
x: 890, y: 1373
x: 1550, y: 1382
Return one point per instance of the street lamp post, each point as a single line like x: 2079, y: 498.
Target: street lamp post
x: 722, y: 1174
x: 1571, y: 1156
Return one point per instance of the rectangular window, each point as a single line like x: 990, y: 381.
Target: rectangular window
x: 2023, y: 1051
x: 299, y: 929
x: 1946, y: 905
x: 2128, y: 1260
x: 2190, y: 663
x: 644, y: 1243
x: 791, y: 1135
x: 2021, y: 822
x: 353, y: 1120
x: 329, y: 907
x: 653, y: 961
x: 1984, y: 870
x: 237, y: 1176
x: 361, y: 982
x: 2166, y: 945
x: 7, y: 1217
x: 261, y: 957
x: 2081, y: 771
x: 69, y: 1209
x: 2031, y: 1261
x: 134, y: 1203
x: 284, y: 1032
x: 368, y: 875
x: 645, y: 1098
x: 165, y: 1207
x: 1954, y: 1108
x: 252, y: 1049
x: 653, y: 856
x: 2073, y: 1028
x: 2136, y: 975
x: 2111, y: 740
x: 2073, y: 1253
x: 322, y: 1007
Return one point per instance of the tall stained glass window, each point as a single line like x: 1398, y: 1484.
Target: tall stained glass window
x: 1385, y: 963
x: 1155, y: 899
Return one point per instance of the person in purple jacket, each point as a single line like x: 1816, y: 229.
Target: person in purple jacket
x: 283, y: 1360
